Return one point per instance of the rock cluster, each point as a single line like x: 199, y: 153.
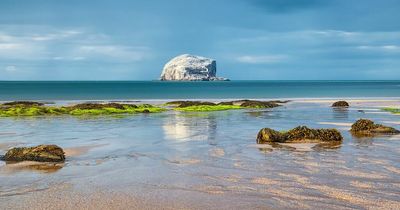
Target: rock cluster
x: 300, y: 134
x: 242, y: 103
x: 101, y: 106
x: 191, y: 68
x: 365, y: 127
x: 41, y: 153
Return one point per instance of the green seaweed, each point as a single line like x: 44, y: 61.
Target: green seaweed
x: 208, y: 108
x: 15, y: 111
x: 31, y: 111
x: 392, y: 110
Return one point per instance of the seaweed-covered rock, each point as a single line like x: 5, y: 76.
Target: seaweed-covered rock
x: 259, y: 104
x: 23, y: 103
x: 368, y: 127
x: 267, y: 135
x: 243, y: 103
x: 340, y: 104
x: 41, y: 153
x: 97, y: 106
x: 301, y: 133
x: 182, y: 104
x: 298, y: 134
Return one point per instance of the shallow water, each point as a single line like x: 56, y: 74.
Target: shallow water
x: 204, y: 160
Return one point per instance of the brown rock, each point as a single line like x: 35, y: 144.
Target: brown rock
x: 41, y: 153
x: 182, y: 104
x: 340, y: 104
x: 23, y: 103
x: 365, y: 127
x: 300, y: 134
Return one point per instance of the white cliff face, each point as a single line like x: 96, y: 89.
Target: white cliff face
x: 191, y: 68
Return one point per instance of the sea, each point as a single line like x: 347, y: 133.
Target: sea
x: 104, y: 90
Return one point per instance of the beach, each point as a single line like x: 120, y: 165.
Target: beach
x: 197, y: 160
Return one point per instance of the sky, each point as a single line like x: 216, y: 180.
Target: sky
x: 249, y: 39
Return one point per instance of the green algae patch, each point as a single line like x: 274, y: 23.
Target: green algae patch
x: 31, y: 111
x: 18, y: 109
x: 207, y: 108
x: 392, y: 110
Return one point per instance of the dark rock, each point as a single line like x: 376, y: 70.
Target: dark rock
x: 242, y: 103
x: 340, y: 104
x: 182, y: 104
x: 99, y: 106
x: 41, y: 153
x: 302, y: 133
x: 23, y: 103
x: 225, y: 103
x: 267, y: 135
x: 299, y: 134
x: 365, y: 127
x: 259, y: 104
x: 146, y: 111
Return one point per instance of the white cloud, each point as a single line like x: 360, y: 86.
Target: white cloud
x: 65, y: 45
x: 11, y: 69
x: 259, y: 59
x: 59, y: 35
x: 386, y: 48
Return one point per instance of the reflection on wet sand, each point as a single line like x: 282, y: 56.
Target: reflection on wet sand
x: 340, y: 113
x: 299, y: 147
x: 339, y: 125
x: 191, y: 127
x: 14, y: 167
x: 81, y: 150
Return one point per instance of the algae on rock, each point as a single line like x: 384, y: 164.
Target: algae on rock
x: 41, y: 153
x: 300, y: 134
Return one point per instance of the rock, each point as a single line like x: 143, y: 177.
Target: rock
x: 259, y: 104
x: 365, y: 127
x: 225, y: 103
x: 23, y: 103
x: 191, y: 68
x: 253, y: 103
x: 300, y: 134
x: 340, y: 104
x: 266, y: 135
x: 41, y: 153
x: 100, y: 106
x: 242, y: 103
x: 182, y: 104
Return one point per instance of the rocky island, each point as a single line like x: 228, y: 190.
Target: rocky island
x: 191, y: 68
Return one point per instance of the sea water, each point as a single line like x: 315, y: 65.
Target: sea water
x: 85, y: 90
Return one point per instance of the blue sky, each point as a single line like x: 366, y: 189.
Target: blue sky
x: 250, y: 39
